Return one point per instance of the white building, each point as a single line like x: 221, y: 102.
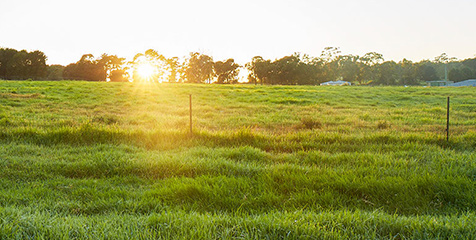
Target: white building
x: 336, y: 83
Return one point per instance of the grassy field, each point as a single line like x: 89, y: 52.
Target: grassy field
x: 86, y: 160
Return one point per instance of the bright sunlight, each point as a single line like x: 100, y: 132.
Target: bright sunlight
x: 146, y: 70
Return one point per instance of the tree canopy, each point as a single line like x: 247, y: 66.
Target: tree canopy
x: 22, y: 64
x: 87, y: 68
x: 295, y: 69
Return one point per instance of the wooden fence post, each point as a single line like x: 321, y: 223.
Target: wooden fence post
x: 448, y: 119
x: 191, y: 130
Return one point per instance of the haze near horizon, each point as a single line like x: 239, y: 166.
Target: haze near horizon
x: 414, y: 30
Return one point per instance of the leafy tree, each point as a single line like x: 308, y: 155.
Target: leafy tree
x: 369, y: 68
x: 289, y: 70
x: 455, y: 75
x: 134, y: 64
x: 87, y: 68
x: 441, y: 63
x: 461, y: 74
x: 330, y: 54
x: 259, y: 70
x: 152, y: 58
x: 22, y: 64
x: 17, y: 65
x: 372, y: 58
x: 387, y: 73
x: 119, y: 75
x: 55, y: 72
x: 174, y: 69
x: 426, y: 72
x: 309, y: 69
x: 408, y: 72
x: 350, y: 69
x: 159, y: 62
x: 470, y: 63
x: 227, y: 71
x: 444, y: 58
x: 285, y: 71
x: 37, y: 68
x: 329, y: 64
x: 6, y: 55
x: 114, y: 67
x: 198, y: 68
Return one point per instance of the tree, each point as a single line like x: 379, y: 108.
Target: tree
x: 259, y: 70
x: 55, y: 72
x: 349, y: 68
x: 226, y: 72
x: 174, y: 69
x: 309, y: 69
x: 6, y: 55
x: 426, y: 72
x: 408, y: 72
x: 199, y: 68
x: 119, y: 75
x: 461, y: 74
x: 455, y: 75
x: 159, y: 62
x: 149, y: 59
x: 22, y: 64
x: 330, y: 54
x: 288, y: 70
x: 87, y: 68
x: 17, y: 66
x: 37, y: 65
x: 470, y: 63
x: 444, y: 58
x: 369, y: 67
x: 387, y: 73
x: 114, y: 67
x: 329, y: 64
x: 285, y: 71
x: 372, y: 58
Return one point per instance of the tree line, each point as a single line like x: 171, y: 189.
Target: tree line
x: 22, y: 64
x: 295, y: 69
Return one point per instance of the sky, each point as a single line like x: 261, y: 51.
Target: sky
x: 66, y: 29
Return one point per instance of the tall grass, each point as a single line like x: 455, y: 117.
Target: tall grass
x: 24, y: 223
x: 116, y: 160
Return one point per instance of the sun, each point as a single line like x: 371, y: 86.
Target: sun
x: 146, y: 70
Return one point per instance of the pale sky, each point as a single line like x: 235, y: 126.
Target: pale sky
x: 413, y: 29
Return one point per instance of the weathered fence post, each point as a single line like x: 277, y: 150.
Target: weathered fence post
x: 191, y: 131
x: 448, y: 119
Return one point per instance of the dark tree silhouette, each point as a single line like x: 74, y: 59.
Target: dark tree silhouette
x: 114, y: 67
x: 87, y: 68
x: 22, y: 64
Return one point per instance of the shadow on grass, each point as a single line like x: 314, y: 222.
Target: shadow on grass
x: 302, y: 140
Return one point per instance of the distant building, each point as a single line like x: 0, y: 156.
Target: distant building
x: 439, y: 83
x: 466, y: 83
x: 336, y: 83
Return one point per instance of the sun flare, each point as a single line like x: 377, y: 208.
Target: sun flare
x: 146, y: 70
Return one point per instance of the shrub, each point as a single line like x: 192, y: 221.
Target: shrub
x: 310, y: 123
x: 383, y: 124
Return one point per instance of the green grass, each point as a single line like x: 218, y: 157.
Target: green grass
x: 116, y: 161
